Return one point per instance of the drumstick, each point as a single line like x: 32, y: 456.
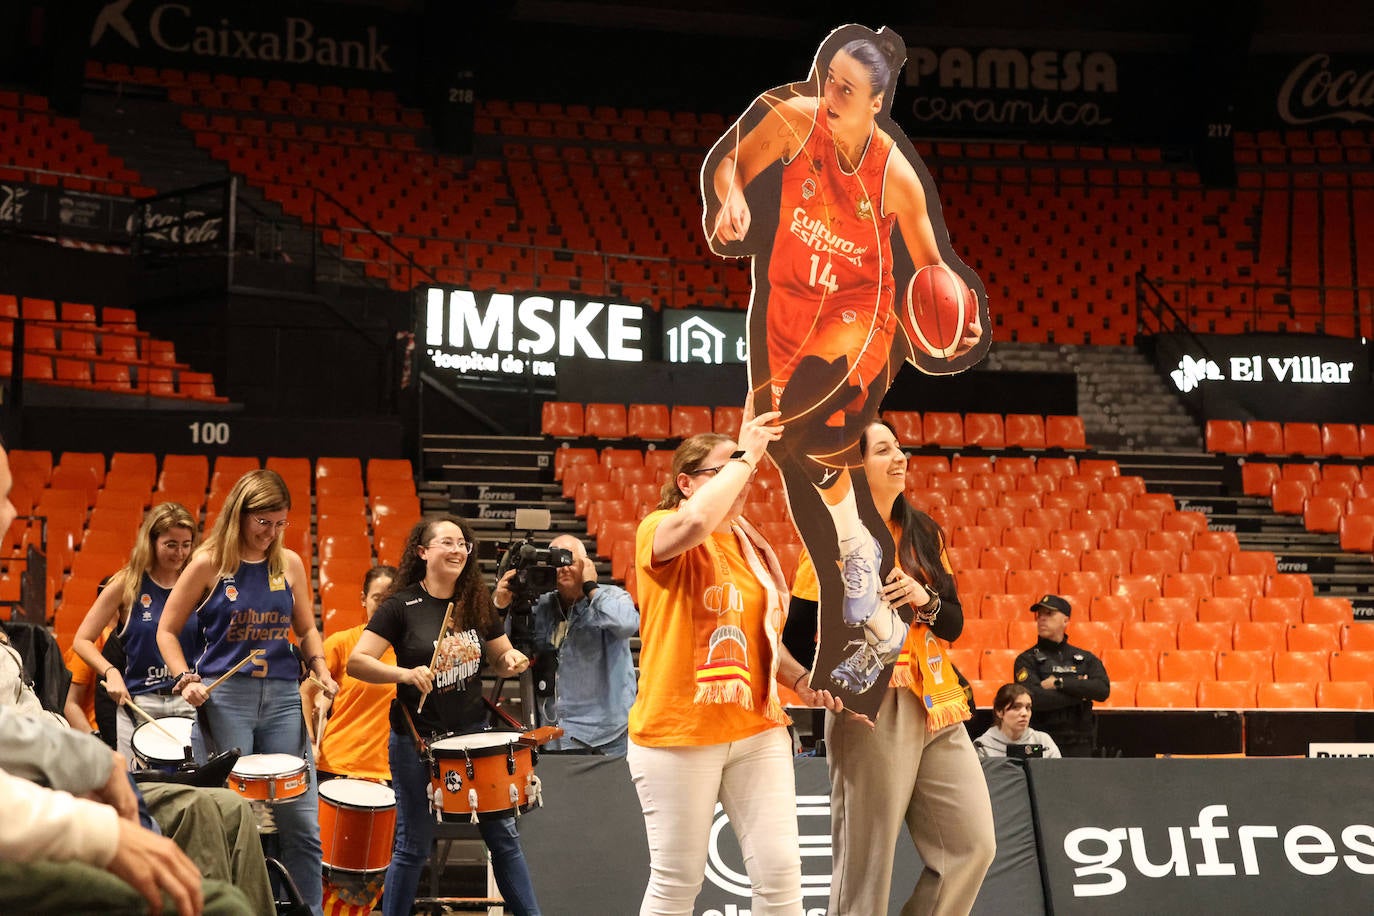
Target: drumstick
x: 246, y: 659
x: 448, y: 617
x: 146, y: 718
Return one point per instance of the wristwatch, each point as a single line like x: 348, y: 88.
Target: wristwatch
x: 1058, y: 683
x: 588, y: 588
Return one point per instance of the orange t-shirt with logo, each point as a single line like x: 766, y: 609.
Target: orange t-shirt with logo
x: 356, y: 734
x: 664, y: 713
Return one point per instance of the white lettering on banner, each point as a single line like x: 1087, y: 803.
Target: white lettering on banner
x: 1009, y: 111
x: 486, y: 493
x: 1302, y: 370
x: 1308, y: 849
x: 1340, y: 749
x: 171, y: 27
x: 535, y: 325
x: 1313, y: 92
x: 179, y: 229
x: 11, y: 203
x: 815, y: 848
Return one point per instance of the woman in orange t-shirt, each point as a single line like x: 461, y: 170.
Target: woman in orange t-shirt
x: 707, y: 724
x: 355, y: 733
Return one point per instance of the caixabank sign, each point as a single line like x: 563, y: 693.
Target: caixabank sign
x: 1269, y: 376
x: 1205, y: 836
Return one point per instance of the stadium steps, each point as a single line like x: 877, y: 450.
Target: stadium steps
x: 148, y: 134
x: 1203, y: 482
x: 1122, y: 399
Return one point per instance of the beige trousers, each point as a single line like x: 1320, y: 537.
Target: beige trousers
x: 898, y: 773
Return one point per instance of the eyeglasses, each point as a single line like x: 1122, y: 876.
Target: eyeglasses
x: 718, y: 468
x: 451, y: 545
x: 265, y: 524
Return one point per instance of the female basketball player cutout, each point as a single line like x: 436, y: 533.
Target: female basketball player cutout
x: 811, y: 181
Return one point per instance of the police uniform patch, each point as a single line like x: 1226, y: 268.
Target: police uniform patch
x: 1022, y: 674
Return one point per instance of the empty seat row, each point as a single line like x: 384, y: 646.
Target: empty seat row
x: 1266, y: 437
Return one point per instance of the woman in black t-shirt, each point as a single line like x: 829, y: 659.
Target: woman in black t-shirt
x: 437, y: 567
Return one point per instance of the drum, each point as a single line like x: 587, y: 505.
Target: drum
x: 357, y: 824
x: 269, y: 777
x: 153, y: 750
x: 489, y: 774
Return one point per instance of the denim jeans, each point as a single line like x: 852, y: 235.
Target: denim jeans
x: 263, y: 716
x: 410, y: 778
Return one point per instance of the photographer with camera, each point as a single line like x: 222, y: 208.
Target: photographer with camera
x: 584, y: 676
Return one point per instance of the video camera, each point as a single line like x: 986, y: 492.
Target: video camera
x: 536, y: 568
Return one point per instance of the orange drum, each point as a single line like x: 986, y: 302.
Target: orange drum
x: 489, y: 774
x: 357, y: 824
x: 269, y: 777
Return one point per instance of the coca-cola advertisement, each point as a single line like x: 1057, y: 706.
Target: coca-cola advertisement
x: 1320, y: 90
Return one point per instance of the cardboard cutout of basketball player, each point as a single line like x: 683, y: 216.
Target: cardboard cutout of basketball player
x: 811, y: 182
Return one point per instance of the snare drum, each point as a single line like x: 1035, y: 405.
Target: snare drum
x: 357, y: 824
x: 488, y: 774
x: 269, y: 777
x: 153, y: 750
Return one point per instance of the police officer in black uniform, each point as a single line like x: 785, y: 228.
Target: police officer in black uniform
x: 1063, y: 680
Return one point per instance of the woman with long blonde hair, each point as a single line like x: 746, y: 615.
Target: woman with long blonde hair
x: 134, y: 598
x: 250, y: 592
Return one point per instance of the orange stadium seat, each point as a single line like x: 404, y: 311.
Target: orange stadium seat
x: 1170, y: 610
x: 1097, y: 636
x: 1065, y: 432
x: 1212, y: 694
x: 647, y: 421
x: 605, y: 421
x: 727, y: 420
x: 1302, y: 439
x: 1210, y: 634
x: 1301, y: 666
x: 1258, y: 478
x: 1150, y: 636
x: 1245, y: 665
x: 1327, y: 610
x: 1264, y: 437
x: 1226, y: 436
x: 998, y: 663
x: 561, y: 419
x: 1251, y: 634
x: 1341, y: 439
x: 1288, y: 585
x: 1286, y: 695
x: 906, y: 426
x: 1238, y: 586
x: 1313, y: 637
x: 1223, y: 541
x: 1025, y: 430
x: 1345, y: 695
x: 1166, y: 694
x: 984, y: 429
x: 1323, y: 513
x: 1187, y: 664
x: 1357, y: 533
x: 1004, y: 607
x: 942, y: 428
x: 1281, y: 610
x: 687, y: 421
x: 1349, y: 665
x: 1113, y: 608
x: 1131, y: 664
x: 980, y: 633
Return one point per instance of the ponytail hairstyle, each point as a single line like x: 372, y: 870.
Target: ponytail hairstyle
x: 879, y: 56
x: 257, y: 491
x: 158, y: 521
x: 471, y: 597
x: 920, y: 549
x: 688, y: 458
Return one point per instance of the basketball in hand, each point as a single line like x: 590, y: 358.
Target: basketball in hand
x: 937, y: 308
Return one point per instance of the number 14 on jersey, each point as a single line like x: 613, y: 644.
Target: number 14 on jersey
x: 822, y: 276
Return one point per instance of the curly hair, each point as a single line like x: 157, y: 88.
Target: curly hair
x: 470, y: 593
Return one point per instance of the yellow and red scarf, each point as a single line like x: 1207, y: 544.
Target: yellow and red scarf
x: 721, y: 653
x: 925, y: 669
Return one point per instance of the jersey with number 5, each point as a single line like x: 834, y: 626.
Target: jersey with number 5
x: 833, y: 243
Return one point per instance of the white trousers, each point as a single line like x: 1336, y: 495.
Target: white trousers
x: 753, y: 781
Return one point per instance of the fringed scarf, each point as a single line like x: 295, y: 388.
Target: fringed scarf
x: 924, y: 668
x: 721, y: 653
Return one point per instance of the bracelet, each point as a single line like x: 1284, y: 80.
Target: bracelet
x: 186, y: 677
x: 798, y: 681
x: 311, y: 660
x: 927, y: 612
x: 105, y: 675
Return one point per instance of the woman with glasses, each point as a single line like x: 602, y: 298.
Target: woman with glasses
x: 438, y: 667
x: 708, y: 724
x: 249, y: 593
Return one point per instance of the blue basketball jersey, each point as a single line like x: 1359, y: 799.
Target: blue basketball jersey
x: 246, y: 611
x: 144, y: 669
